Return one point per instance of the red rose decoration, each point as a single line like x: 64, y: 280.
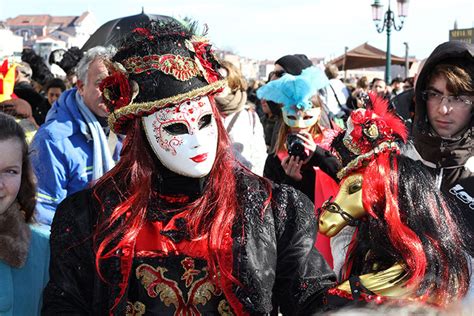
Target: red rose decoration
x: 369, y: 130
x: 143, y: 32
x: 116, y: 90
x: 204, y: 54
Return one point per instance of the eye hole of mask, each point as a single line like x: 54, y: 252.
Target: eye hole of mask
x: 354, y: 187
x: 176, y: 129
x: 205, y: 121
x: 307, y: 117
x: 291, y: 117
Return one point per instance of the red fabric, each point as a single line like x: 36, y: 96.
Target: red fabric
x: 324, y: 188
x: 150, y: 239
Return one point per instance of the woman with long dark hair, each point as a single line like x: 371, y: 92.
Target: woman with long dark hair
x: 178, y: 227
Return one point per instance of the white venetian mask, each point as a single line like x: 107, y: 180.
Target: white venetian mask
x: 184, y: 137
x: 298, y: 118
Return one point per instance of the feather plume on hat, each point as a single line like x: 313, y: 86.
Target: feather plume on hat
x: 297, y: 90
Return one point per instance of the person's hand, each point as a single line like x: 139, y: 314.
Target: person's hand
x: 292, y: 167
x: 308, y: 143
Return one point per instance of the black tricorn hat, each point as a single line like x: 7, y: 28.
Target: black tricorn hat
x: 159, y: 64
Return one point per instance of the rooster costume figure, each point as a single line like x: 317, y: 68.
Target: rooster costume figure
x: 407, y: 244
x: 178, y: 227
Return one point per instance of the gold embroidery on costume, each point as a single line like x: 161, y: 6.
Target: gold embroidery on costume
x: 224, y: 308
x: 135, y: 309
x: 156, y: 284
x: 180, y: 67
x: 189, y: 271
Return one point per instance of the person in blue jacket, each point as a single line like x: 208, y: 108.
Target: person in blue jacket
x: 71, y: 149
x: 24, y: 246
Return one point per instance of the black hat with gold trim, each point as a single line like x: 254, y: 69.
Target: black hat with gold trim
x: 159, y: 64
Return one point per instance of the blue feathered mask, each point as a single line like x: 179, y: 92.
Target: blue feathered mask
x: 295, y: 91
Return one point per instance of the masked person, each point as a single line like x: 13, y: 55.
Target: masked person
x: 301, y: 142
x: 177, y: 227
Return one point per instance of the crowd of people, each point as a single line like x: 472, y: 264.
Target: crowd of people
x: 157, y: 180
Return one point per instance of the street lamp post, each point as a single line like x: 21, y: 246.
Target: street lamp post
x: 344, y: 62
x: 386, y: 25
x: 406, y: 59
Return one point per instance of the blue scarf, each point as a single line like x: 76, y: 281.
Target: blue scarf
x: 102, y: 159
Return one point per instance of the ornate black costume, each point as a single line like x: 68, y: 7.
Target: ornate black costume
x: 274, y: 260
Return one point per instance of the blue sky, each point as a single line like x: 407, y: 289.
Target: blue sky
x: 272, y: 28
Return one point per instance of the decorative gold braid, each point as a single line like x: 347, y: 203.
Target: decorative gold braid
x: 181, y: 67
x: 356, y: 163
x: 137, y: 108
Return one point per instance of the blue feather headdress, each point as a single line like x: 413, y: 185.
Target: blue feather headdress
x: 297, y: 90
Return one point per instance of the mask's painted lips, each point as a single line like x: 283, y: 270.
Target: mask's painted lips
x: 199, y: 158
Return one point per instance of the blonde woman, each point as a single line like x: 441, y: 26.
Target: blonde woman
x: 241, y: 121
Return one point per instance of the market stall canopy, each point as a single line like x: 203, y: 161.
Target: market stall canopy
x: 113, y: 31
x: 366, y: 56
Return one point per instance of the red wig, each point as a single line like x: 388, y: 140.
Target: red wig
x: 380, y: 191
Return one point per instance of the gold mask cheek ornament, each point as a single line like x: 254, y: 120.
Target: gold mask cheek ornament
x: 348, y: 200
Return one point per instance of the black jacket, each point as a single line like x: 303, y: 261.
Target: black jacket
x: 274, y: 171
x: 451, y: 160
x: 321, y: 158
x: 274, y: 260
x: 404, y: 105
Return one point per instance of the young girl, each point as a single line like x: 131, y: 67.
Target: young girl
x: 24, y: 248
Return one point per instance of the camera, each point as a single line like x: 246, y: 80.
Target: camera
x: 295, y: 146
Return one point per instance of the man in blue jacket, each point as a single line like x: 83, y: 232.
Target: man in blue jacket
x: 71, y: 149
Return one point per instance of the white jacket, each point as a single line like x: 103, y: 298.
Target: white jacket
x: 248, y: 141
